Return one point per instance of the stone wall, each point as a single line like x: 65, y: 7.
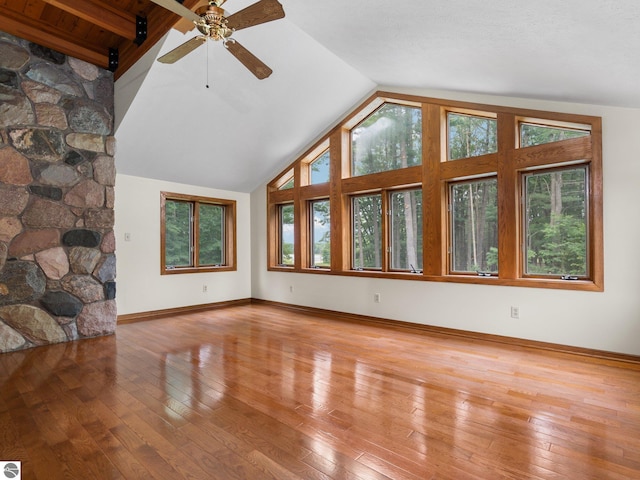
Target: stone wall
x: 57, y: 176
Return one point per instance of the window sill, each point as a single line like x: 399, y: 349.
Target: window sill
x: 559, y: 284
x: 178, y: 270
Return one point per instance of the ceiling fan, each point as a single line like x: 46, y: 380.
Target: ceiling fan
x: 212, y: 23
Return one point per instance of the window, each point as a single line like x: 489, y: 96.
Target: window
x: 389, y: 139
x: 286, y: 217
x: 403, y: 242
x: 424, y: 189
x: 474, y: 226
x: 406, y: 230
x: 320, y: 234
x: 197, y: 234
x: 556, y: 222
x: 211, y: 234
x: 531, y: 134
x: 287, y: 185
x: 320, y: 169
x: 367, y: 231
x: 178, y: 235
x: 471, y: 136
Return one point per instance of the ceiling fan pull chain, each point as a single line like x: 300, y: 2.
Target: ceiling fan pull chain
x: 207, y: 50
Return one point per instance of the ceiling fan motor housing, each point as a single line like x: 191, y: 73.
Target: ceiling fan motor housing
x: 213, y: 23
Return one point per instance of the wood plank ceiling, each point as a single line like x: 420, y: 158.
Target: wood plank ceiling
x: 87, y: 29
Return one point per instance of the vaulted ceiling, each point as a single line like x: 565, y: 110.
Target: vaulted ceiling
x: 326, y: 57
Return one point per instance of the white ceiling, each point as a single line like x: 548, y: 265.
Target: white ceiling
x: 328, y: 56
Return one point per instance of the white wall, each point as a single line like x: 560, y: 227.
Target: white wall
x: 140, y: 287
x: 608, y: 320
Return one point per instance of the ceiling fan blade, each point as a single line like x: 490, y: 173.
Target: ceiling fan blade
x: 185, y: 25
x: 182, y: 50
x: 248, y: 59
x: 178, y: 9
x: 260, y: 12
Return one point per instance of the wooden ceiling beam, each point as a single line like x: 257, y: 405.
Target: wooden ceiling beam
x: 101, y: 14
x: 106, y: 17
x: 159, y: 21
x: 51, y: 37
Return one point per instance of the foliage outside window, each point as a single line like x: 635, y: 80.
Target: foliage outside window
x: 471, y: 136
x: 211, y: 234
x: 406, y: 230
x: 389, y: 139
x: 531, y: 134
x: 321, y: 234
x: 178, y: 233
x: 556, y: 222
x: 367, y: 231
x: 437, y: 190
x: 286, y: 216
x: 197, y: 234
x: 474, y: 226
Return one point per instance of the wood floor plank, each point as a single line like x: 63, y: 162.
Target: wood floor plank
x: 261, y: 392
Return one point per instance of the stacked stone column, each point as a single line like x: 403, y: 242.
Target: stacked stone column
x: 57, y: 177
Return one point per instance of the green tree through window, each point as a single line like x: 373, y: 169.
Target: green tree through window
x: 321, y: 234
x: 474, y: 226
x: 406, y: 230
x: 556, y: 222
x: 367, y: 231
x: 178, y: 233
x: 445, y: 190
x: 211, y: 234
x: 471, y: 136
x: 388, y: 139
x: 531, y: 135
x: 197, y: 234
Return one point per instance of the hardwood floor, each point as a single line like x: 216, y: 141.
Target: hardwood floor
x: 260, y: 392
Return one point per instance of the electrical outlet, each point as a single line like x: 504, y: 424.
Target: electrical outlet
x: 127, y: 237
x: 515, y: 312
x: 376, y: 297
x: 205, y: 288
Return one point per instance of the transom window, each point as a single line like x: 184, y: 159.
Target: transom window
x: 388, y: 139
x: 287, y: 184
x: 197, y: 234
x: 319, y: 168
x: 531, y: 134
x: 425, y: 189
x: 470, y: 135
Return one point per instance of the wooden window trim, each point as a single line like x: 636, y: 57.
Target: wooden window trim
x: 507, y: 164
x: 229, y: 234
